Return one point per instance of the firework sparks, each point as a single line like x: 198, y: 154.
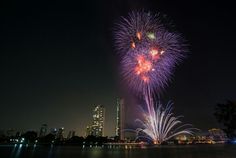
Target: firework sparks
x: 160, y: 125
x: 149, y: 52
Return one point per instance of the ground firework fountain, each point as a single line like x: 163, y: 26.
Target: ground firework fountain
x: 149, y: 53
x: 160, y: 124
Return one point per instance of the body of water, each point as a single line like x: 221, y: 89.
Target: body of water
x: 185, y: 151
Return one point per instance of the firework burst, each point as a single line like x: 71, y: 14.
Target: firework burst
x: 149, y: 52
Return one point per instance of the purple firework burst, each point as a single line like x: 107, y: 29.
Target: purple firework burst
x: 149, y: 51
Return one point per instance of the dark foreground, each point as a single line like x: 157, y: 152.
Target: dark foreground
x: 194, y: 151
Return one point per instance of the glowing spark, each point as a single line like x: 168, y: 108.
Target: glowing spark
x: 139, y: 35
x: 133, y: 45
x: 153, y: 52
x: 162, y: 52
x: 151, y: 35
x: 143, y: 65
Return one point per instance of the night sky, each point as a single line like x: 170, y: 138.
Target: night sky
x: 57, y: 61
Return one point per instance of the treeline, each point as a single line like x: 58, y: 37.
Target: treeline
x: 30, y: 137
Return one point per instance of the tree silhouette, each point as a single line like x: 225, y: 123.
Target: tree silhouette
x: 75, y: 140
x: 47, y: 139
x: 226, y: 115
x: 30, y: 136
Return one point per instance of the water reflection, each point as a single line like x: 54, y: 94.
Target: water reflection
x: 18, y: 151
x: 50, y: 151
x: 13, y: 151
x: 111, y: 151
x: 33, y: 150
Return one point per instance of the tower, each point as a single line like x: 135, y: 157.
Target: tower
x: 71, y: 134
x: 43, y: 130
x: 120, y: 118
x: 97, y: 127
x: 60, y: 133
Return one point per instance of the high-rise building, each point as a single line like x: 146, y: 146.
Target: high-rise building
x: 43, y: 130
x: 60, y: 133
x: 71, y: 134
x: 97, y: 127
x: 120, y: 118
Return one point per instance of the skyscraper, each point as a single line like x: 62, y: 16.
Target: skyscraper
x: 97, y: 127
x: 120, y: 118
x: 60, y: 133
x: 71, y: 134
x: 43, y: 130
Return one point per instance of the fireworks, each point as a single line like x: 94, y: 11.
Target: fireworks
x: 160, y: 125
x: 149, y: 52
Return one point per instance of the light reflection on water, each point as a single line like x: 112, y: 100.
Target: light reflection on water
x: 13, y: 150
x: 39, y: 151
x: 50, y: 151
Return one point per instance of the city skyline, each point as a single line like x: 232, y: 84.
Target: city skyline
x: 62, y: 134
x: 96, y: 120
x: 96, y: 126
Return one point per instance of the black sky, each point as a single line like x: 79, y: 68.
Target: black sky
x: 58, y: 61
